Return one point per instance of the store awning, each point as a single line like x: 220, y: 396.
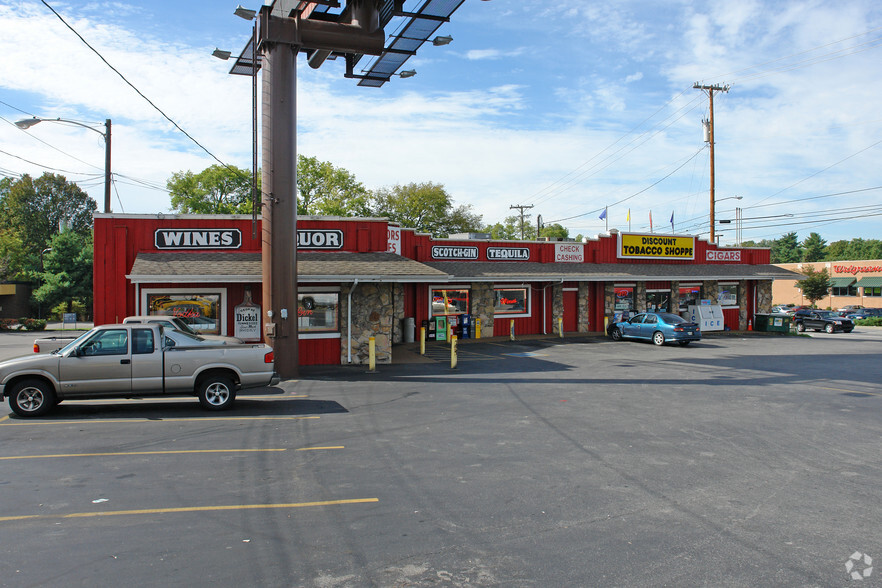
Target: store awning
x: 182, y: 268
x: 870, y: 282
x: 841, y: 282
x: 607, y: 272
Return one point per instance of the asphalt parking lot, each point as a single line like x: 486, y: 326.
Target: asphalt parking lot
x: 742, y: 460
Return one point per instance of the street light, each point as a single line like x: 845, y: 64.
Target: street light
x: 713, y: 215
x: 42, y: 270
x: 29, y: 122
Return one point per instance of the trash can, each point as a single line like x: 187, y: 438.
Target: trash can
x: 761, y: 322
x: 778, y: 323
x: 408, y: 327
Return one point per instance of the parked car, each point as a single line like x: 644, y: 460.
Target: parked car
x: 658, y: 327
x: 181, y: 324
x: 794, y: 309
x: 133, y: 360
x: 862, y: 314
x: 851, y: 307
x: 821, y: 320
x: 780, y: 309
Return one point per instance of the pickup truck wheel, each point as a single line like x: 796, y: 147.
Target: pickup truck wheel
x: 216, y: 393
x: 800, y: 327
x: 31, y: 398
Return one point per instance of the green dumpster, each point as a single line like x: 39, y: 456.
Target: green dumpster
x: 779, y: 323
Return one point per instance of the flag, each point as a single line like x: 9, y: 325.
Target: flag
x: 672, y: 221
x: 650, y: 221
x: 603, y: 214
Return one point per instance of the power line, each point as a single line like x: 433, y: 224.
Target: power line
x: 141, y: 94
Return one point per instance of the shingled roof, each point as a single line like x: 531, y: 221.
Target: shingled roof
x: 311, y: 267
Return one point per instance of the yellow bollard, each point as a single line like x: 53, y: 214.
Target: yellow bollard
x: 560, y: 326
x: 453, y: 352
x: 511, y: 329
x: 422, y: 340
x: 477, y: 328
x: 372, y: 354
x: 449, y: 332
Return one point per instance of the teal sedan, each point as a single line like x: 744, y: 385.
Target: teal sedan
x: 658, y: 327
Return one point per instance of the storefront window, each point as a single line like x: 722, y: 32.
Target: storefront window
x: 200, y: 311
x: 449, y: 302
x: 728, y: 295
x: 874, y: 291
x: 510, y: 300
x: 658, y: 300
x: 318, y: 312
x: 845, y: 291
x: 689, y: 296
x: 624, y: 298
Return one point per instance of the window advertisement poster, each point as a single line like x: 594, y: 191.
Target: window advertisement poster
x: 510, y: 301
x: 247, y: 319
x: 451, y: 301
x: 200, y: 311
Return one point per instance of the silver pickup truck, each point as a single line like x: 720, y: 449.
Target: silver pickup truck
x: 133, y: 360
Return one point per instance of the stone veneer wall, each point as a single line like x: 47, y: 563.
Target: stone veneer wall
x: 742, y: 303
x: 764, y: 297
x: 711, y: 290
x: 483, y: 302
x: 583, y: 307
x: 373, y: 315
x: 675, y: 297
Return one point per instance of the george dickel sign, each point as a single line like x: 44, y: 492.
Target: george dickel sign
x: 655, y: 246
x: 197, y: 238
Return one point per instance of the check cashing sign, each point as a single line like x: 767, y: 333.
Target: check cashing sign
x: 655, y: 246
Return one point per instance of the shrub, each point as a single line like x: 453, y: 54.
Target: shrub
x: 31, y: 324
x: 873, y: 321
x: 8, y: 324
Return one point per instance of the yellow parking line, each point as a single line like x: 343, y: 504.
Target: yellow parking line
x: 6, y: 418
x: 160, y: 420
x: 109, y: 454
x: 78, y: 515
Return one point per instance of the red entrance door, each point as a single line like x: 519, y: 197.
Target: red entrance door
x: 571, y: 311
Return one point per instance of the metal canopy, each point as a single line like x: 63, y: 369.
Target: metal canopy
x: 416, y: 28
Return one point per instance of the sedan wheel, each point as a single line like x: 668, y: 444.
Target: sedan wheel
x: 800, y: 327
x: 658, y: 338
x: 616, y: 334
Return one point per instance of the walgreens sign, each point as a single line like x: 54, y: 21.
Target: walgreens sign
x: 856, y: 269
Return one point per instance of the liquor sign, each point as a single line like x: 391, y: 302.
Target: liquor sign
x: 319, y: 239
x: 723, y: 255
x: 454, y: 252
x: 569, y: 252
x: 197, y: 238
x: 247, y: 319
x: 655, y: 246
x: 393, y: 239
x: 508, y: 253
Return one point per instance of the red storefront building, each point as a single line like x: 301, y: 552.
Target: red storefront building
x: 360, y: 278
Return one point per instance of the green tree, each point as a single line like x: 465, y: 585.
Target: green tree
x: 510, y: 229
x: 815, y: 285
x: 426, y: 207
x: 218, y: 189
x: 67, y: 271
x: 555, y: 230
x: 327, y: 190
x: 836, y: 251
x: 786, y: 249
x: 15, y: 263
x: 37, y: 209
x: 813, y: 248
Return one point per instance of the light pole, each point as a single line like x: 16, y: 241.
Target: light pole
x: 29, y: 122
x: 42, y: 270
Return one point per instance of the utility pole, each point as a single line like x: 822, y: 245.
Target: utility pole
x: 521, y: 208
x: 710, y: 139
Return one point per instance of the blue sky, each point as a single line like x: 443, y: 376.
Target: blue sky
x: 570, y: 106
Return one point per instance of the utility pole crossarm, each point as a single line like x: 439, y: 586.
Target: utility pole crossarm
x: 521, y: 208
